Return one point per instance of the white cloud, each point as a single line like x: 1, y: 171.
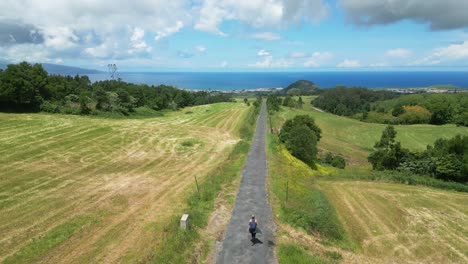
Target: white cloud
x: 270, y: 36
x: 73, y: 28
x: 137, y: 41
x: 269, y: 62
x: 446, y: 14
x: 200, y: 48
x: 263, y: 53
x: 317, y: 59
x: 398, y: 53
x: 298, y: 55
x: 258, y: 13
x: 167, y: 31
x: 224, y: 64
x: 451, y: 53
x: 347, y: 63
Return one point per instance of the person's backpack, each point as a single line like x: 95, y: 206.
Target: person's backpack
x: 253, y: 225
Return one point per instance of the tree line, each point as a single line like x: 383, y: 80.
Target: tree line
x: 447, y: 159
x: 390, y: 108
x: 28, y: 87
x: 349, y: 101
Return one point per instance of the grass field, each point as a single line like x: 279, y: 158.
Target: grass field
x: 355, y: 139
x: 80, y: 190
x: 396, y: 223
x: 380, y: 222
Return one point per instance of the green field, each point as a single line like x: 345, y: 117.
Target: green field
x: 371, y: 221
x: 355, y: 139
x: 82, y: 189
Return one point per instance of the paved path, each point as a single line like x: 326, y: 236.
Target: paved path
x: 251, y: 199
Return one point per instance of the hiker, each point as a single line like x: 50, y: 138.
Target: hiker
x: 253, y: 226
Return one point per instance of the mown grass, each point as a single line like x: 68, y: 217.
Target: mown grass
x: 398, y: 223
x: 177, y: 246
x: 133, y: 173
x: 56, y: 236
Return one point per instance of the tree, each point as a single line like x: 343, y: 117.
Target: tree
x: 300, y: 103
x: 388, y: 154
x: 24, y: 86
x: 84, y: 101
x: 302, y: 143
x: 297, y: 121
x: 300, y: 135
x: 273, y: 103
x: 398, y: 110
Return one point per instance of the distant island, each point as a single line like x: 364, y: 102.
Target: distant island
x: 59, y: 69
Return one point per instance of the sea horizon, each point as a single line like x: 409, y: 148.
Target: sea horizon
x: 258, y: 80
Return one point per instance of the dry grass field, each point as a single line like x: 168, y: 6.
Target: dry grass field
x: 396, y: 223
x: 82, y: 190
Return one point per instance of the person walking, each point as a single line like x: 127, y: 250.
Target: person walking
x: 253, y: 226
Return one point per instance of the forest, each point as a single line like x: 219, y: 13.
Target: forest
x: 391, y: 108
x: 26, y: 87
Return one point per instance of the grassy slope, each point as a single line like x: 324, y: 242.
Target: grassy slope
x: 387, y: 222
x: 87, y: 189
x: 355, y: 139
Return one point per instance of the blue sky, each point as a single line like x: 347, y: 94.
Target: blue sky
x: 238, y: 35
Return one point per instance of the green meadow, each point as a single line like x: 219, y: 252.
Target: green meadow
x: 332, y: 215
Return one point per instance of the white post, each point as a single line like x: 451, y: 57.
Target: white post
x: 184, y: 221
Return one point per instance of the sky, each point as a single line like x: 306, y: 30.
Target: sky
x: 238, y: 35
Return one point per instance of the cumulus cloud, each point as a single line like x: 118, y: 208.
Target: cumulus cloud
x: 258, y: 13
x: 138, y: 42
x: 453, y: 52
x: 223, y: 64
x: 263, y: 53
x: 15, y: 33
x: 105, y: 29
x: 347, y: 63
x: 270, y: 62
x: 270, y: 36
x: 318, y: 58
x: 440, y: 15
x: 398, y: 53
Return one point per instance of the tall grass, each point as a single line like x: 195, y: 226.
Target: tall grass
x: 177, y: 244
x: 299, y: 201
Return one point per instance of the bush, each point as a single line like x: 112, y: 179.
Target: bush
x: 49, y: 107
x: 335, y: 161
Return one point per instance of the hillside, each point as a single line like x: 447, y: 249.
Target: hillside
x: 305, y: 87
x: 334, y: 215
x: 80, y: 190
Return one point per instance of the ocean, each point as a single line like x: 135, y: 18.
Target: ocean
x: 254, y: 80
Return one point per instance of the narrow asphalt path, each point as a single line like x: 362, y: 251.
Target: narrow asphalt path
x: 252, y: 198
